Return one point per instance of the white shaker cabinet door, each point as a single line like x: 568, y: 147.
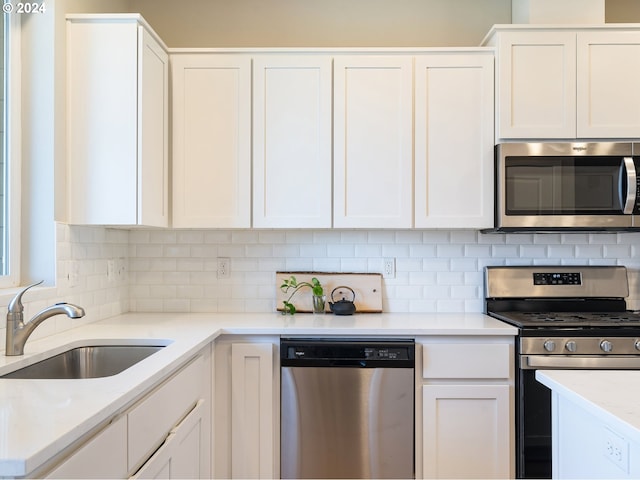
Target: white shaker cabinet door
x: 211, y: 140
x: 466, y: 432
x: 454, y: 140
x: 292, y: 141
x: 608, y: 94
x: 536, y: 79
x: 253, y: 430
x: 373, y: 141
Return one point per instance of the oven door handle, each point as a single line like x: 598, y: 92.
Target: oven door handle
x: 574, y: 362
x: 628, y: 197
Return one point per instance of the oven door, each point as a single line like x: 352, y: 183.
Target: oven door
x: 533, y: 427
x: 550, y: 186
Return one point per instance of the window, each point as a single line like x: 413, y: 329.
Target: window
x: 3, y: 160
x: 10, y: 161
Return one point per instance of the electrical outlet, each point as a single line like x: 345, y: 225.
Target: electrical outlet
x: 121, y: 268
x: 616, y: 450
x: 111, y: 270
x: 389, y: 268
x: 224, y: 268
x: 74, y: 274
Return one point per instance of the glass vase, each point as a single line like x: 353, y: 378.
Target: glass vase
x: 318, y: 303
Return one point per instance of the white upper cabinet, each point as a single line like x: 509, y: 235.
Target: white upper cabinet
x: 117, y: 122
x: 292, y: 141
x: 373, y: 141
x: 567, y: 83
x: 454, y: 140
x: 536, y: 84
x: 211, y: 140
x: 608, y: 93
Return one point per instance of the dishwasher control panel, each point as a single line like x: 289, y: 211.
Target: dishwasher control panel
x: 351, y: 352
x: 392, y: 353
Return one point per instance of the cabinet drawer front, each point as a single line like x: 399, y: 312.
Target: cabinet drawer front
x: 466, y: 361
x: 178, y: 457
x: 104, y: 456
x: 153, y: 418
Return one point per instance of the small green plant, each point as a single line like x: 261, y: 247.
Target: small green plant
x: 292, y: 283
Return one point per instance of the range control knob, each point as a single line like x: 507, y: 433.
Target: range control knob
x: 637, y: 344
x: 549, y: 345
x: 571, y: 346
x: 606, y: 346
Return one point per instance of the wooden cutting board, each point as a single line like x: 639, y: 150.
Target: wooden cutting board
x: 366, y: 286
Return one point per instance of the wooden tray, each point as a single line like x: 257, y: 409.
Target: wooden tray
x: 367, y: 288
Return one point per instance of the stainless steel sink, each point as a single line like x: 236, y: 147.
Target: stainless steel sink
x: 86, y: 362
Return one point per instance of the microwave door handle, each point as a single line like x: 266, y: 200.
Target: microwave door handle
x: 632, y: 185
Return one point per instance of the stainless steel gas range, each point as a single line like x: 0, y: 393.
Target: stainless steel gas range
x: 568, y: 317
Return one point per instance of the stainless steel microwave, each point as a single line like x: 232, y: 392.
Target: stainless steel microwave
x: 561, y: 186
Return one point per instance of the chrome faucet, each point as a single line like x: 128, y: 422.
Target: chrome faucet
x: 18, y: 331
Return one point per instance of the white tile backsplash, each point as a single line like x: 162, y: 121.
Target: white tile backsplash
x: 436, y: 271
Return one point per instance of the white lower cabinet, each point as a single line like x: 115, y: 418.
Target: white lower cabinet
x: 154, y: 418
x: 465, y: 426
x: 166, y: 434
x: 104, y: 456
x: 247, y: 408
x: 466, y: 431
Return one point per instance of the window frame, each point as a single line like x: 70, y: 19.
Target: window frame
x: 12, y: 149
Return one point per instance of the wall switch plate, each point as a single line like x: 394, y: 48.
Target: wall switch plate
x: 224, y: 268
x: 389, y: 268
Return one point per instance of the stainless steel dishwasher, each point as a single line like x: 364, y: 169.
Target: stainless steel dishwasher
x: 347, y: 408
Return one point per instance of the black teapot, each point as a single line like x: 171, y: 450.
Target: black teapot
x: 344, y: 306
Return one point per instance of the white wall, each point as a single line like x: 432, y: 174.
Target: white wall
x: 334, y: 23
x: 326, y: 23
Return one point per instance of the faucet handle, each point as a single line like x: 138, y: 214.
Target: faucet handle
x: 15, y: 305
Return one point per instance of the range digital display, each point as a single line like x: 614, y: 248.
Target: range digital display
x: 549, y: 278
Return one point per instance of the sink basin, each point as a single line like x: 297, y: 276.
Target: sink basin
x: 86, y: 362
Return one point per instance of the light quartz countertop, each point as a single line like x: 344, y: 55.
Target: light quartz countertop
x: 40, y: 418
x: 610, y: 395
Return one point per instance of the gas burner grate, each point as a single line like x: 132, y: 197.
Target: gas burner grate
x: 553, y: 320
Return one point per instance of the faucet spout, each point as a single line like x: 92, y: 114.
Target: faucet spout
x: 18, y: 331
